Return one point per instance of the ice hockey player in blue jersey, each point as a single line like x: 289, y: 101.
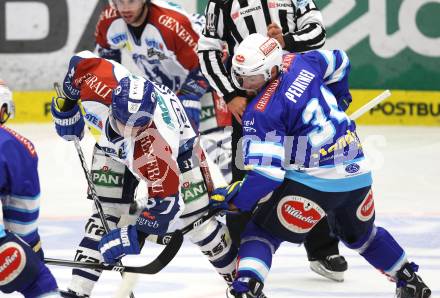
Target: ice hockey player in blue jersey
x: 21, y: 255
x: 304, y: 161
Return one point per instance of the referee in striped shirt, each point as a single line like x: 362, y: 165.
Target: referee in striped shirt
x: 298, y: 27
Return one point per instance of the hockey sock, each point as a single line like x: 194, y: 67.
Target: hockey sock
x: 381, y: 251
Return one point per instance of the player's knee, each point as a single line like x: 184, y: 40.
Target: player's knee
x: 360, y: 241
x: 213, y: 239
x: 19, y: 265
x: 255, y: 232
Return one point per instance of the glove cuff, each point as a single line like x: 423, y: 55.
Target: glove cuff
x: 65, y: 118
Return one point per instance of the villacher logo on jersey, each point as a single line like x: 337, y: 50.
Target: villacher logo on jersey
x: 299, y: 214
x: 12, y: 262
x: 365, y: 210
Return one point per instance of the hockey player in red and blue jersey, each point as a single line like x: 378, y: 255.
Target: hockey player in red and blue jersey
x: 161, y: 39
x: 21, y: 256
x: 304, y: 161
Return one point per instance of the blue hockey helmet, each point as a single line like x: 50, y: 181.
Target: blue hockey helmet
x: 133, y: 101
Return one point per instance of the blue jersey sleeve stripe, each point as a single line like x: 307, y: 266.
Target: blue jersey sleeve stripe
x: 24, y: 217
x: 29, y: 198
x: 265, y: 155
x: 340, y: 72
x: 270, y: 173
x: 266, y: 149
x: 21, y: 210
x: 331, y: 185
x: 20, y: 222
x: 267, y: 143
x: 330, y: 61
x: 26, y: 235
x: 2, y: 231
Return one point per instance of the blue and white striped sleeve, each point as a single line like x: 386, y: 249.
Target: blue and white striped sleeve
x: 263, y: 161
x: 335, y: 67
x: 21, y: 204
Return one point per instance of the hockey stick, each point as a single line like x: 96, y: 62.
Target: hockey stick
x: 369, y: 105
x: 156, y: 265
x: 93, y: 193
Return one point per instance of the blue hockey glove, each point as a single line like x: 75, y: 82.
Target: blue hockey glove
x: 118, y: 243
x: 69, y: 124
x: 222, y: 197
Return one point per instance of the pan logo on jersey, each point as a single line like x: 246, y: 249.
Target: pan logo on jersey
x: 106, y: 177
x: 268, y: 47
x: 298, y: 214
x: 192, y: 191
x: 12, y: 262
x: 365, y: 210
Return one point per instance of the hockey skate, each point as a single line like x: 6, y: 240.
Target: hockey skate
x: 71, y: 294
x: 331, y: 267
x: 409, y: 284
x: 255, y: 289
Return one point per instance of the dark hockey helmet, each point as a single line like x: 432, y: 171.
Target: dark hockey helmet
x: 133, y: 101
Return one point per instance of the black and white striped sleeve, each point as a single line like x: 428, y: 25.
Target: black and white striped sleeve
x: 210, y: 49
x: 310, y: 33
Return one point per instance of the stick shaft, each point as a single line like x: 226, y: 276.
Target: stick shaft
x: 369, y: 105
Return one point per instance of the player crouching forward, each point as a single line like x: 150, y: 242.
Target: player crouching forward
x: 306, y: 161
x: 21, y: 256
x: 143, y: 127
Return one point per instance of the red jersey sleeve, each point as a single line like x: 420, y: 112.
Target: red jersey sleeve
x: 108, y: 15
x: 178, y: 33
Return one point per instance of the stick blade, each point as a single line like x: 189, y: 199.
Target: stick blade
x: 164, y: 258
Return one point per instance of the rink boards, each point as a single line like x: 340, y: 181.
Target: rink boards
x: 402, y: 108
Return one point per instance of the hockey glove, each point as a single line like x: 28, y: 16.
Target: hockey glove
x: 190, y: 93
x: 68, y: 124
x: 118, y: 243
x: 221, y: 198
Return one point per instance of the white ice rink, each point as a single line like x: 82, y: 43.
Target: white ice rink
x: 406, y: 165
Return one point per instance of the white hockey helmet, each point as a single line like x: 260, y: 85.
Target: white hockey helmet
x: 7, y: 107
x: 255, y: 55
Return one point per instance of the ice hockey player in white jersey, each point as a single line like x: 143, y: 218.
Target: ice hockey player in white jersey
x: 21, y: 255
x: 305, y: 161
x: 142, y: 132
